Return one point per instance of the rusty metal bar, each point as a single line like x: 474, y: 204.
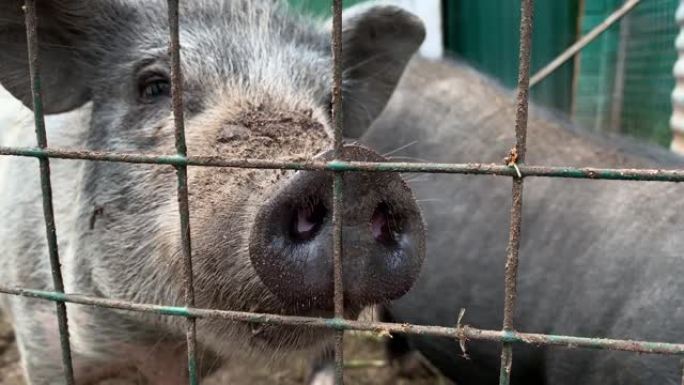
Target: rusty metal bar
x: 46, y: 186
x: 336, y: 44
x: 583, y: 42
x: 517, y: 156
x: 338, y: 285
x: 182, y: 173
x: 653, y: 175
x: 464, y: 332
x: 337, y: 118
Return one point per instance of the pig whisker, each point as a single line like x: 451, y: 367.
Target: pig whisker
x: 430, y: 200
x: 374, y: 75
x: 408, y: 158
x: 361, y: 104
x: 418, y: 179
x: 352, y: 142
x: 400, y: 148
x: 361, y: 63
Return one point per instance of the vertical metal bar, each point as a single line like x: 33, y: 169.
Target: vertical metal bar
x: 48, y: 211
x: 337, y: 73
x: 337, y: 186
x: 339, y: 297
x: 182, y: 172
x: 511, y: 271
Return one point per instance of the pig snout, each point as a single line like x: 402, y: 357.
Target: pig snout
x: 383, y: 240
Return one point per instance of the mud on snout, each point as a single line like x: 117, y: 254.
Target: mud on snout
x: 263, y: 239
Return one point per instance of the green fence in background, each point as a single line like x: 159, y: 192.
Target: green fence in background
x: 320, y: 7
x: 597, y: 92
x: 646, y: 37
x: 649, y: 81
x: 593, y: 99
x: 485, y: 34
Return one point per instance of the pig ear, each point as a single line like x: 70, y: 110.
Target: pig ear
x: 378, y: 42
x: 62, y: 78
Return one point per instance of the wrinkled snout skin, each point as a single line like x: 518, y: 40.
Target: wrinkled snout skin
x: 256, y: 81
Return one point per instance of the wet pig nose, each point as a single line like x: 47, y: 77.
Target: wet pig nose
x: 383, y: 240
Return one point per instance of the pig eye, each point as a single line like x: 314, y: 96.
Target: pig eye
x: 153, y: 87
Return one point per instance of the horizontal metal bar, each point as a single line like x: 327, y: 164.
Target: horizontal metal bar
x: 653, y: 175
x: 460, y: 333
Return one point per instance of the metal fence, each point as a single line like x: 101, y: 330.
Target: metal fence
x: 181, y: 160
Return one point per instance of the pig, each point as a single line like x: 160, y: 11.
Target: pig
x: 597, y: 258
x: 256, y: 79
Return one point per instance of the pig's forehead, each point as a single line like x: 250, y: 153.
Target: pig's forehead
x: 221, y: 36
x: 211, y: 25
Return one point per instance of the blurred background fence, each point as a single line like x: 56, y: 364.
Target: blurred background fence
x: 621, y: 82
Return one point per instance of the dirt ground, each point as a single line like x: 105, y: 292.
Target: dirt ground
x: 363, y: 353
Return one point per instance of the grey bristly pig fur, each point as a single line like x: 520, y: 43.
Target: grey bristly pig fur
x: 597, y: 258
x: 256, y: 80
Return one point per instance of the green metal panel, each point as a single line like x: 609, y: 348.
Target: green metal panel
x: 649, y: 81
x: 643, y: 108
x: 320, y: 7
x: 485, y: 33
x: 593, y: 98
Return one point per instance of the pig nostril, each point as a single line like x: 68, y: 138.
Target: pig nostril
x: 307, y: 221
x: 384, y: 226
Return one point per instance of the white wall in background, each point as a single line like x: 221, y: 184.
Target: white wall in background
x: 431, y: 13
x: 677, y: 120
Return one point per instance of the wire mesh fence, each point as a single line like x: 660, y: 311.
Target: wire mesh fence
x: 181, y: 161
x: 625, y: 77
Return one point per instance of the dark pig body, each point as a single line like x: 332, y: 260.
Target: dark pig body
x: 597, y: 258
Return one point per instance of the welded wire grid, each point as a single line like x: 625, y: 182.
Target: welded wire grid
x: 181, y: 160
